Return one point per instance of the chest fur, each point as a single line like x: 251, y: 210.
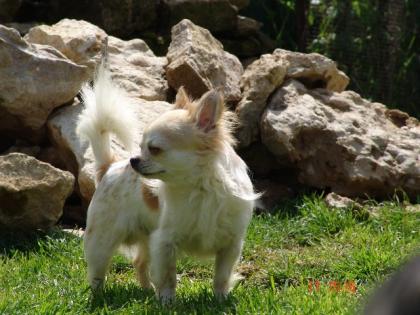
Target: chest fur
x: 202, y: 225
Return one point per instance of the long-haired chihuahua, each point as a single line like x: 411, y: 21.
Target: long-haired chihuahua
x: 186, y: 191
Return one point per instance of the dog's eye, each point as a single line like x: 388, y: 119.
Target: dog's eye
x: 154, y: 150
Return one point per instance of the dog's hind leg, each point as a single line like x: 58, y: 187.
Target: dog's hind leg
x: 224, y: 277
x: 141, y: 263
x: 99, y: 248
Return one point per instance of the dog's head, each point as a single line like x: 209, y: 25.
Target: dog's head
x: 180, y: 142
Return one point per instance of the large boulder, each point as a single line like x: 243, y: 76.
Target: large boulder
x: 32, y: 193
x: 342, y: 141
x: 197, y: 61
x: 265, y: 75
x: 214, y: 15
x: 34, y: 79
x: 78, y: 154
x: 132, y: 63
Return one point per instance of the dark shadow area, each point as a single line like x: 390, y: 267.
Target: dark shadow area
x: 27, y: 242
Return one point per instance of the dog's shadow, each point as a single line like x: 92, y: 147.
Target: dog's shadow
x: 118, y: 296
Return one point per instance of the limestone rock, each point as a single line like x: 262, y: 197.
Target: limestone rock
x: 264, y: 75
x: 78, y: 154
x: 334, y: 200
x: 342, y: 141
x: 32, y: 193
x: 214, y: 15
x: 246, y: 26
x: 314, y: 70
x: 34, y: 79
x: 132, y: 63
x: 197, y: 61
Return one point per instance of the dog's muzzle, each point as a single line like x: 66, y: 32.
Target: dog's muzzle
x: 136, y: 164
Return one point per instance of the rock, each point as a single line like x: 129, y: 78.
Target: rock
x: 133, y: 64
x: 75, y: 232
x: 46, y: 79
x: 32, y: 193
x: 266, y: 74
x: 80, y: 41
x: 119, y: 18
x: 9, y: 8
x: 197, y: 61
x: 214, y: 15
x: 246, y: 26
x: 413, y: 208
x: 342, y: 141
x: 334, y: 200
x: 314, y: 70
x: 78, y: 155
x: 239, y: 4
x: 260, y: 161
x: 259, y: 80
x: 22, y: 28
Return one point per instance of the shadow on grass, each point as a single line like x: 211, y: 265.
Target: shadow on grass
x: 28, y: 242
x: 119, y: 296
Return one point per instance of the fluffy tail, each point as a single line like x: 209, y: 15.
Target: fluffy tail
x: 108, y: 110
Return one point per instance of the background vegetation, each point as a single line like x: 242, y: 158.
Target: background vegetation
x: 376, y: 42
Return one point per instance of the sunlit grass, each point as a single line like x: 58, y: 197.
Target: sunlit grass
x: 283, y: 255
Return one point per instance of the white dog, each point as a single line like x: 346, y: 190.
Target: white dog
x: 187, y: 191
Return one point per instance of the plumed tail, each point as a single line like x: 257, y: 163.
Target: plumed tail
x: 107, y: 110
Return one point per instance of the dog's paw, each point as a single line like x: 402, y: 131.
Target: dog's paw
x: 97, y: 284
x: 221, y: 295
x: 166, y: 296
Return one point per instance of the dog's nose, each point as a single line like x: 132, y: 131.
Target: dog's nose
x: 135, y: 161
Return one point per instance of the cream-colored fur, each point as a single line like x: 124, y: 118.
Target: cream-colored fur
x: 187, y: 160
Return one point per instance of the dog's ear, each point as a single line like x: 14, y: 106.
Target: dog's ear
x: 209, y: 110
x: 182, y: 100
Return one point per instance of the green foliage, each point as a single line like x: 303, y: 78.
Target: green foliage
x: 283, y: 254
x: 376, y: 43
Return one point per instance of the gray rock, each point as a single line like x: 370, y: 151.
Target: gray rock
x: 133, y: 65
x: 32, y: 193
x: 34, y: 79
x: 264, y: 75
x: 197, y: 61
x: 342, y: 141
x: 334, y: 200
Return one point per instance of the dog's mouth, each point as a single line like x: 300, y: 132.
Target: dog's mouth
x: 150, y: 174
x: 140, y: 168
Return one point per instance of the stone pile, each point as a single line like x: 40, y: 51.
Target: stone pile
x: 298, y: 126
x: 149, y: 19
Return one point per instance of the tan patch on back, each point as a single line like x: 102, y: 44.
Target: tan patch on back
x: 101, y: 170
x: 151, y: 200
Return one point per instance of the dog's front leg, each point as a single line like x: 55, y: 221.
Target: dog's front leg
x: 223, y: 274
x: 163, y: 265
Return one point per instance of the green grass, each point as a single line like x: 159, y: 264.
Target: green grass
x: 282, y: 256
